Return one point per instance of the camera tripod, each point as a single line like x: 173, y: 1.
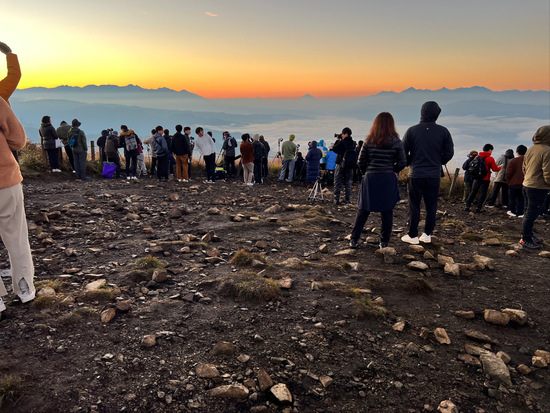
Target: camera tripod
x: 316, y: 192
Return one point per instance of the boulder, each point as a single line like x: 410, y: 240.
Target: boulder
x: 495, y: 368
x: 231, y: 391
x: 496, y: 317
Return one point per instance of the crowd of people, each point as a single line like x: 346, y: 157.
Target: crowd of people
x: 523, y: 181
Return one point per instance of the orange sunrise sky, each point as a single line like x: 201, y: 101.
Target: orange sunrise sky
x: 260, y: 48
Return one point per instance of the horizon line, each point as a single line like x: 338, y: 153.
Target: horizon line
x: 306, y: 95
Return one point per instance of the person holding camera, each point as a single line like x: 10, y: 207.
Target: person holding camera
x: 344, y: 147
x: 382, y: 157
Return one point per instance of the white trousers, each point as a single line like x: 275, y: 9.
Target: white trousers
x: 15, y: 235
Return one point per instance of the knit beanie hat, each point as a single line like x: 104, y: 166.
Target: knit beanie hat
x: 291, y: 137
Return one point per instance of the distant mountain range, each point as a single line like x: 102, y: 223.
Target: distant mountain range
x: 503, y: 117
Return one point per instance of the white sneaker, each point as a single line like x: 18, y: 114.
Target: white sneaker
x: 520, y: 216
x: 409, y: 240
x: 2, y: 305
x: 179, y: 180
x: 511, y: 214
x: 56, y: 170
x: 425, y: 238
x: 185, y: 180
x: 25, y: 295
x: 128, y: 178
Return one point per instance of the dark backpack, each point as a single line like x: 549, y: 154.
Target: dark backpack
x: 72, y: 142
x: 478, y: 167
x: 131, y: 142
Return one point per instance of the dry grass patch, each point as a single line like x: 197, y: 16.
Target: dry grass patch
x: 366, y: 308
x: 101, y: 295
x: 249, y: 286
x: 45, y: 301
x: 10, y: 387
x: 244, y: 258
x: 418, y: 286
x: 77, y: 315
x: 471, y: 236
x: 57, y: 284
x: 143, y: 268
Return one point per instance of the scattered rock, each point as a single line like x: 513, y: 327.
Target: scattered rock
x: 323, y: 249
x: 123, y: 306
x: 475, y: 350
x: 386, y: 251
x: 160, y: 275
x: 512, y: 253
x: 231, y: 391
x: 294, y: 263
x: 523, y: 369
x: 476, y: 335
x: 207, y: 371
x: 496, y: 317
x: 484, y: 262
x: 443, y: 260
x: 468, y: 315
x: 261, y: 244
x: 285, y: 283
x: 46, y: 292
x: 345, y: 252
x: 281, y: 393
x: 493, y: 242
x: 214, y: 211
x: 516, y: 316
x: 441, y: 336
x: 107, y: 315
x: 173, y: 197
x: 544, y: 254
x: 274, y: 209
x: 452, y: 269
x: 149, y: 340
x: 326, y: 381
x: 243, y: 358
x: 504, y: 357
x: 495, y: 368
x: 416, y: 249
x: 447, y: 406
x: 469, y: 359
x: 224, y: 348
x: 417, y: 265
x: 264, y: 380
x: 399, y: 326
x: 544, y: 354
x: 538, y: 361
x: 95, y: 285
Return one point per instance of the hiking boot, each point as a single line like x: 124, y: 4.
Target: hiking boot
x: 406, y: 238
x: 530, y: 244
x: 467, y: 209
x: 425, y: 238
x: 353, y: 244
x: 538, y: 240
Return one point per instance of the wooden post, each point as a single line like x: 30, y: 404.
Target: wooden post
x: 457, y: 171
x: 93, y: 150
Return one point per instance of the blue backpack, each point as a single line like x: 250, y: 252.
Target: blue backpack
x: 72, y: 142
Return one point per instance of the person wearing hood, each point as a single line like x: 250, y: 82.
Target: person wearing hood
x: 111, y: 151
x: 129, y: 140
x: 499, y: 184
x: 63, y: 134
x: 259, y: 151
x: 80, y: 149
x: 13, y: 222
x: 228, y: 146
x: 48, y: 137
x: 101, y: 141
x: 428, y: 146
x: 467, y: 175
x: 330, y: 165
x: 536, y: 184
x: 313, y: 158
x: 288, y: 152
x: 481, y: 184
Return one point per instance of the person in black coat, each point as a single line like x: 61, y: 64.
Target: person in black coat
x: 344, y: 147
x: 259, y: 151
x: 101, y: 141
x: 382, y: 157
x: 48, y: 137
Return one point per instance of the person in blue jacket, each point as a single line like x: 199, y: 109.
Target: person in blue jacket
x: 330, y: 159
x: 313, y: 159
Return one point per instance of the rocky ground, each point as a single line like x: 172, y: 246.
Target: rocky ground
x: 226, y: 298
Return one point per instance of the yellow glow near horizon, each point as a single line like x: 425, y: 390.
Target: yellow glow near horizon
x: 220, y: 53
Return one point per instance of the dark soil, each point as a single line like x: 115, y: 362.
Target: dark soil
x: 326, y: 324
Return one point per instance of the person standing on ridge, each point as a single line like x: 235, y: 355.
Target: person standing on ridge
x: 481, y: 183
x: 514, y: 179
x: 259, y: 150
x: 180, y: 147
x: 206, y: 148
x: 63, y: 133
x: 467, y: 176
x: 48, y: 138
x: 428, y: 146
x: 229, y: 145
x: 247, y: 159
x: 13, y: 222
x: 288, y: 152
x: 536, y: 184
x: 345, y: 162
x: 79, y: 146
x: 128, y: 139
x: 265, y: 160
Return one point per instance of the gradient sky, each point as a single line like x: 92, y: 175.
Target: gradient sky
x: 281, y: 48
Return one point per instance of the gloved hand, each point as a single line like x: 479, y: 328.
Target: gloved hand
x: 4, y: 48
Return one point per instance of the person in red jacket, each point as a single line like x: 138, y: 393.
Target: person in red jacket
x: 482, y: 185
x: 514, y: 179
x: 247, y: 159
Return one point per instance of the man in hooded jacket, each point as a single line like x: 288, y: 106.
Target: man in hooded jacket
x: 428, y: 146
x: 536, y: 184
